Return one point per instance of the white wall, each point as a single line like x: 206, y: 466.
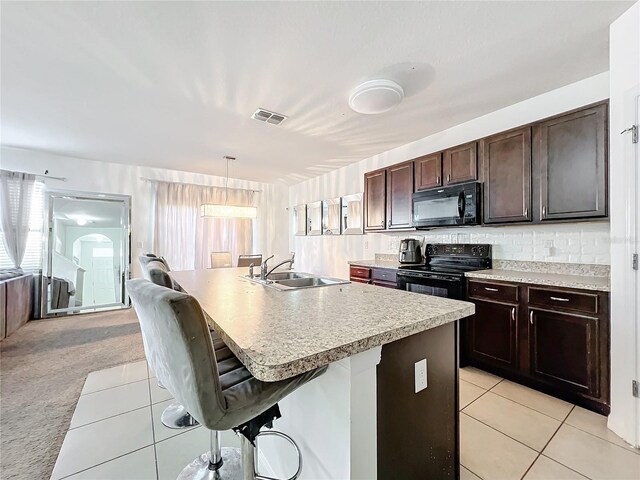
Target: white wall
x: 576, y: 243
x: 103, y: 177
x: 624, y: 58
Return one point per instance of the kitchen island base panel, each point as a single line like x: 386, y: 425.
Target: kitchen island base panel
x: 333, y: 421
x: 418, y: 433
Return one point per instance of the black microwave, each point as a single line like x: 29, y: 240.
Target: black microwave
x: 447, y: 206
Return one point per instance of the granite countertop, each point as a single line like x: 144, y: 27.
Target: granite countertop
x: 584, y: 282
x: 393, y: 264
x: 277, y: 334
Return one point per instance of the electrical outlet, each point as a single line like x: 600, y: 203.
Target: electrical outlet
x: 366, y: 245
x: 140, y: 245
x: 420, y: 375
x: 548, y: 244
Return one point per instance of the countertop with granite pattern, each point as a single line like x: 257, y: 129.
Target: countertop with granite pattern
x: 583, y: 282
x: 278, y: 335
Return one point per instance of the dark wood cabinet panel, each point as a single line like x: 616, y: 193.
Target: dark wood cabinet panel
x: 418, y: 433
x: 564, y: 350
x: 359, y: 280
x: 558, y: 343
x: 501, y: 292
x: 363, y: 273
x: 399, y: 191
x: 375, y: 191
x: 381, y: 283
x: 555, y: 169
x: 428, y: 171
x: 570, y: 154
x: 493, y: 333
x: 506, y: 161
x: 460, y: 164
x: 384, y: 275
x: 564, y: 300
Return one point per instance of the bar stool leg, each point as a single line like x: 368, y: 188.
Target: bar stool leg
x: 176, y: 416
x: 216, y: 464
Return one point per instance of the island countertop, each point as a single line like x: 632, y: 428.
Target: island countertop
x: 280, y: 334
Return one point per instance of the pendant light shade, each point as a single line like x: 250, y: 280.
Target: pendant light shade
x: 218, y: 210
x: 227, y: 211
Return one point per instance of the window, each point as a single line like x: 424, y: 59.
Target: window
x: 33, y: 254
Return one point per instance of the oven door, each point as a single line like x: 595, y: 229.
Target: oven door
x: 449, y: 286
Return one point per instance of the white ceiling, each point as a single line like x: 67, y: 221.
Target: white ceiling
x: 173, y: 85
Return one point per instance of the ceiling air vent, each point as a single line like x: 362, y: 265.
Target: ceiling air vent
x: 270, y: 117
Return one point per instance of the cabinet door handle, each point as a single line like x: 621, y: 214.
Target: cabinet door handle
x: 513, y: 314
x: 544, y: 211
x: 559, y: 299
x: 531, y: 317
x: 491, y: 289
x: 438, y: 180
x: 448, y: 178
x: 382, y: 224
x: 526, y: 212
x: 389, y: 224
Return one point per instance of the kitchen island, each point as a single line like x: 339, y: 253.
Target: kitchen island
x: 370, y: 337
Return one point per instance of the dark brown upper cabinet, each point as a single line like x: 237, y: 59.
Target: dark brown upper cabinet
x: 506, y: 159
x: 570, y: 156
x: 460, y: 164
x: 399, y: 191
x: 375, y: 190
x: 428, y: 171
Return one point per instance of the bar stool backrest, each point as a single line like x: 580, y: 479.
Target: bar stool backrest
x: 179, y: 348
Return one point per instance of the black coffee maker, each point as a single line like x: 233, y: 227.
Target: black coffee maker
x: 410, y: 251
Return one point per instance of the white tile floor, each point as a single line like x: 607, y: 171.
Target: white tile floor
x: 507, y: 432
x: 116, y: 432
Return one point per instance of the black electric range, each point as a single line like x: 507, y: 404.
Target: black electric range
x: 442, y: 274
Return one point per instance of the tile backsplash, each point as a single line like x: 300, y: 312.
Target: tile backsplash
x: 586, y: 242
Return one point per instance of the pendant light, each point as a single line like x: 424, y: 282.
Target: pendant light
x: 216, y: 210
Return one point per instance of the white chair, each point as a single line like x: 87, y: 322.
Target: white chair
x: 221, y: 260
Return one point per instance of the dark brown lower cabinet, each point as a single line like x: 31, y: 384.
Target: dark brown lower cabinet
x: 564, y: 350
x: 555, y: 340
x: 493, y: 333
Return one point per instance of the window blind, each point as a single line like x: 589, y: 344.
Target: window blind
x: 33, y: 254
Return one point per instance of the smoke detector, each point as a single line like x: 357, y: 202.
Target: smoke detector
x: 269, y: 117
x: 376, y: 96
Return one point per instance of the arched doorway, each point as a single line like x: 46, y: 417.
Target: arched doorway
x: 95, y: 253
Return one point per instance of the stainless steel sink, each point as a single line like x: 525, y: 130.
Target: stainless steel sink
x: 306, y: 282
x: 277, y: 276
x: 295, y: 280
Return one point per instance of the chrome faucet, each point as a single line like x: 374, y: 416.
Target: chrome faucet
x: 251, y: 265
x: 264, y: 268
x: 289, y: 261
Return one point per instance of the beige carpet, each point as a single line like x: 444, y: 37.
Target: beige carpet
x: 42, y: 370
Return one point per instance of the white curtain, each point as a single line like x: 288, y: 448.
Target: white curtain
x: 15, y: 207
x: 185, y: 239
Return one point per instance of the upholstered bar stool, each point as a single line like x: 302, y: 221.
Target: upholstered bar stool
x: 183, y: 356
x: 155, y: 269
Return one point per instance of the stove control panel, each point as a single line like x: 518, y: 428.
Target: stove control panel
x: 459, y: 250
